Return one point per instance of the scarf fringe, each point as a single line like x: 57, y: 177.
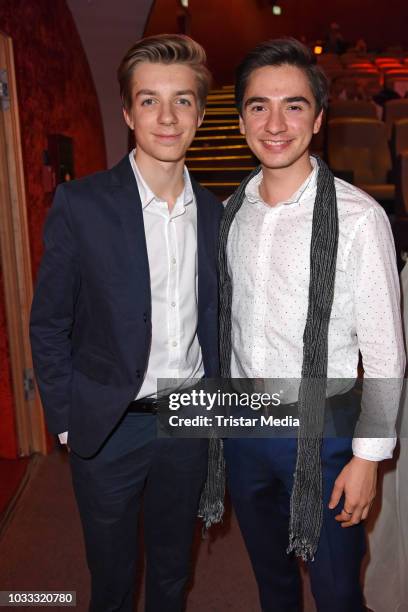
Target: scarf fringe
x: 211, y: 506
x: 301, y: 547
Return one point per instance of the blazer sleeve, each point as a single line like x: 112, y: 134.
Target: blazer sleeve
x: 52, y: 314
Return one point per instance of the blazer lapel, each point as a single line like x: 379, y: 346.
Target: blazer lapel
x: 129, y: 207
x: 204, y: 241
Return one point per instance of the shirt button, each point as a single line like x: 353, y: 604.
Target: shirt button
x: 173, y: 261
x: 173, y: 304
x: 174, y: 343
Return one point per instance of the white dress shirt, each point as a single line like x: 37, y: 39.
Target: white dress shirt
x: 268, y: 257
x: 171, y: 239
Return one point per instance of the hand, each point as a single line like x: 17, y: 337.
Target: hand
x: 357, y: 481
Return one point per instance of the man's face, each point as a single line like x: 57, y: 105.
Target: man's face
x: 279, y: 116
x: 164, y: 113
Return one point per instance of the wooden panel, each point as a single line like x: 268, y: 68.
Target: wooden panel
x: 16, y: 263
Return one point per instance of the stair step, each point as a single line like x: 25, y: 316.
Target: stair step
x: 220, y: 148
x: 220, y: 137
x: 218, y: 128
x: 211, y: 121
x: 211, y: 102
x: 222, y: 161
x: 218, y: 140
x: 219, y: 110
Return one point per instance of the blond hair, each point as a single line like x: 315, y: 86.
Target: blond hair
x: 165, y: 49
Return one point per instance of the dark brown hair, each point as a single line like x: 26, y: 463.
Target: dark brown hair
x: 278, y: 52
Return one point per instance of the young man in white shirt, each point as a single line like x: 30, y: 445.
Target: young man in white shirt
x: 308, y: 279
x: 127, y: 294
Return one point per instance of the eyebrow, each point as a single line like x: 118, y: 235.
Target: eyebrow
x: 287, y: 100
x: 298, y: 99
x: 186, y: 92
x: 150, y: 92
x: 255, y: 99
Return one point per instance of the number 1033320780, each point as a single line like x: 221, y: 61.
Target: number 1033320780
x: 35, y: 598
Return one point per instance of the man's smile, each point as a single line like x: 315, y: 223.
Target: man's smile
x: 276, y: 144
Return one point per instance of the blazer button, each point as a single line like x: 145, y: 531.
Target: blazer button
x: 145, y: 317
x: 138, y: 373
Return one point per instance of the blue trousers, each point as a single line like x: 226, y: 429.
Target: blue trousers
x: 260, y: 478
x: 169, y: 474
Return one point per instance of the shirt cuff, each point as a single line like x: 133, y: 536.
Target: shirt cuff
x: 63, y: 437
x: 374, y: 449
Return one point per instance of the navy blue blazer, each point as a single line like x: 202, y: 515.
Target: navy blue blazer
x: 91, y: 315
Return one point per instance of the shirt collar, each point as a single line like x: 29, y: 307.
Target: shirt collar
x: 305, y: 190
x: 147, y: 196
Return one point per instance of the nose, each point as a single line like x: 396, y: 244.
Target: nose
x: 167, y: 115
x: 276, y: 121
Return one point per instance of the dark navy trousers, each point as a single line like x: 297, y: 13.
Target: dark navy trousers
x: 260, y: 478
x: 169, y: 474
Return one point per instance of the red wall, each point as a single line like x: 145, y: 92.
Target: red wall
x: 228, y: 29
x: 56, y: 95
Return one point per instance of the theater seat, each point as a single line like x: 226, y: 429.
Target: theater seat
x: 394, y: 110
x: 385, y: 68
x: 352, y: 108
x: 395, y: 72
x: 361, y: 66
x: 353, y: 57
x: 359, y: 146
x: 399, y: 139
x: 386, y: 59
x: 399, y: 84
x: 402, y: 184
x: 357, y: 88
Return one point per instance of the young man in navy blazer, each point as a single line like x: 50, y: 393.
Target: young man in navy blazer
x: 127, y: 294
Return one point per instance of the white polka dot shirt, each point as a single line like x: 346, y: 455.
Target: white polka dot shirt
x: 268, y: 260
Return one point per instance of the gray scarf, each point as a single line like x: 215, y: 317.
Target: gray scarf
x: 306, y: 506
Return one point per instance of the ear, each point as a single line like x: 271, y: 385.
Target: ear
x: 241, y: 125
x: 128, y: 119
x: 200, y: 119
x: 318, y: 122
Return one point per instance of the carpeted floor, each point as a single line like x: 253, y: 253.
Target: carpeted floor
x: 12, y: 472
x: 41, y: 549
